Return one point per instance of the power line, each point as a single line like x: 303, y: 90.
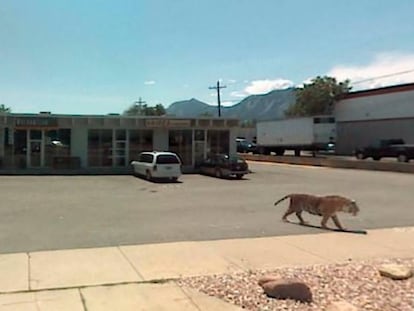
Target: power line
x: 218, y: 87
x: 384, y: 76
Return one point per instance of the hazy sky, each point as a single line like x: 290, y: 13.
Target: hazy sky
x: 98, y: 57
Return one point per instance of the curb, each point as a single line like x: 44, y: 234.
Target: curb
x: 334, y: 163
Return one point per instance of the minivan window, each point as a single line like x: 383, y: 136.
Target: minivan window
x: 167, y: 159
x: 147, y: 158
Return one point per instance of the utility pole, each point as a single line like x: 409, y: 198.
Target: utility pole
x: 218, y: 87
x: 139, y: 102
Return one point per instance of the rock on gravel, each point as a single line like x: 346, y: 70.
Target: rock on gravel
x: 291, y: 288
x: 395, y: 272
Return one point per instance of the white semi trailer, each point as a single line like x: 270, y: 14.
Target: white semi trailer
x: 302, y: 133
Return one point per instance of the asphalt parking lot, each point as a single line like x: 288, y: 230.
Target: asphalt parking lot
x: 61, y: 212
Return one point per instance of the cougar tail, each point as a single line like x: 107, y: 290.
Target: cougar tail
x: 282, y: 199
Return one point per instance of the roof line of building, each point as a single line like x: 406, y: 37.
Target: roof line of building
x: 110, y: 116
x: 380, y: 91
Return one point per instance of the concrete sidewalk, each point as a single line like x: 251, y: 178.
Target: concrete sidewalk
x: 142, y: 277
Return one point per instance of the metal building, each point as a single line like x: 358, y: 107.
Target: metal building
x: 364, y: 117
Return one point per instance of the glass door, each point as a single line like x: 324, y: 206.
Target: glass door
x: 35, y: 153
x: 181, y: 143
x: 199, y: 147
x: 20, y: 150
x: 120, y: 148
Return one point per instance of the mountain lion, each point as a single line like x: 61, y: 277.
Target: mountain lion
x: 325, y: 206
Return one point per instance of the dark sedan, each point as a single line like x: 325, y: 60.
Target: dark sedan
x: 223, y: 165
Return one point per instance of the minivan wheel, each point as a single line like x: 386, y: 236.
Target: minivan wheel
x: 359, y: 156
x: 239, y: 176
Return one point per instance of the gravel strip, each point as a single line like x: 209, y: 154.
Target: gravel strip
x: 359, y: 283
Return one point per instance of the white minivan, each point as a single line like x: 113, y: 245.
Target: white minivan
x: 157, y: 164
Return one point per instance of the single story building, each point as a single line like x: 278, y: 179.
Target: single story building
x: 364, y: 117
x: 49, y: 142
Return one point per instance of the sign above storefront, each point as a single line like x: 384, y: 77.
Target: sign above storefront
x: 167, y: 123
x: 36, y: 122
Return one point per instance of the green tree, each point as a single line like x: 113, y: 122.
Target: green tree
x: 4, y: 109
x: 145, y: 110
x: 159, y: 110
x: 318, y: 97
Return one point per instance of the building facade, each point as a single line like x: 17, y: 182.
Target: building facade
x: 49, y: 142
x: 365, y: 117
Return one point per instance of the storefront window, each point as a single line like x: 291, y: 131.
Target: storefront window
x: 100, y: 148
x: 180, y: 142
x: 120, y: 135
x: 218, y: 141
x: 57, y: 144
x: 199, y: 135
x: 15, y: 148
x: 139, y: 140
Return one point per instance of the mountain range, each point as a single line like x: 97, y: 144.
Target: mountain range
x: 254, y: 107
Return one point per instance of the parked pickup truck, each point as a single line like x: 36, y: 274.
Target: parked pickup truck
x: 393, y: 148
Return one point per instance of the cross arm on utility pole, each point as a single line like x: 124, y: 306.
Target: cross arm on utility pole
x: 218, y: 87
x: 139, y: 103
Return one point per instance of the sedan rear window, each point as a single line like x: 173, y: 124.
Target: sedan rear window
x: 167, y: 159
